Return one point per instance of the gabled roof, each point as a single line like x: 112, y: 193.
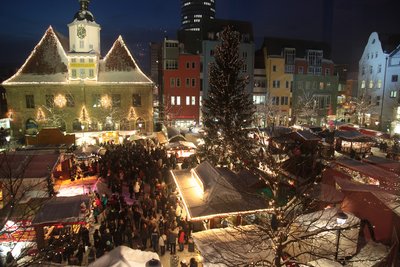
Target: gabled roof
x: 119, y: 66
x: 221, y: 193
x: 47, y: 62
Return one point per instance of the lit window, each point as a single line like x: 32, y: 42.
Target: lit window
x: 187, y: 100
x: 178, y: 100
x: 363, y: 84
x: 371, y: 84
x: 193, y: 100
x: 321, y: 85
x: 393, y: 94
x: 379, y: 84
x: 172, y: 100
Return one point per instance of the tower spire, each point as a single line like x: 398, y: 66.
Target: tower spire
x: 84, y: 13
x: 84, y: 4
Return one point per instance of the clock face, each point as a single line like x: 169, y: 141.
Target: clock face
x: 81, y: 32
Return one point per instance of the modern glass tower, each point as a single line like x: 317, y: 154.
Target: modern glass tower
x: 194, y: 12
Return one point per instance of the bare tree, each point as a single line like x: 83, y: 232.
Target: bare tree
x: 269, y: 111
x: 306, y: 107
x: 293, y: 230
x: 21, y: 199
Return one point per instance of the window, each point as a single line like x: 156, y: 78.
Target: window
x: 193, y: 82
x: 378, y: 100
x: 314, y: 57
x: 395, y: 78
x: 30, y: 101
x: 136, y: 100
x: 73, y: 60
x: 96, y: 101
x: 321, y: 85
x: 276, y: 84
x: 327, y: 71
x: 82, y: 73
x: 363, y: 84
x: 287, y: 84
x: 193, y: 65
x: 73, y: 73
x: 171, y: 64
x: 371, y: 69
x: 187, y: 82
x: 193, y: 100
x: 91, y: 73
x: 187, y: 65
x: 379, y: 84
x: 49, y: 101
x: 371, y: 84
x: 81, y: 44
x: 363, y: 70
x: 322, y: 101
x: 187, y: 100
x: 289, y: 54
x: 300, y: 85
x: 393, y: 94
x: 172, y: 100
x: 90, y: 60
x: 178, y: 82
x: 70, y: 101
x: 379, y: 68
x: 178, y: 100
x: 284, y: 100
x: 301, y: 70
x: 244, y: 68
x: 172, y: 82
x: 116, y: 100
x: 274, y: 68
x: 82, y: 60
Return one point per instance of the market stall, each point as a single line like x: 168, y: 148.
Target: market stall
x: 183, y: 149
x: 211, y: 194
x: 66, y: 213
x: 353, y: 143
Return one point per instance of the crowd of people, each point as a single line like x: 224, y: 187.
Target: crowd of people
x: 154, y: 218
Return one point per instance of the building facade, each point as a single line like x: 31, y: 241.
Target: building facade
x: 379, y: 69
x: 300, y: 80
x: 182, y: 92
x: 66, y: 83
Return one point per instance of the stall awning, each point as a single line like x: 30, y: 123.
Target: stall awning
x: 386, y: 164
x: 209, y: 192
x: 62, y: 210
x: 384, y: 177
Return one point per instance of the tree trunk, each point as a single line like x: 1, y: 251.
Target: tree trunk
x: 278, y: 256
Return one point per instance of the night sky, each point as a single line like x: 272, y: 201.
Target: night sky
x: 142, y: 21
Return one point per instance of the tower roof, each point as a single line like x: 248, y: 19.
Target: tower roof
x: 84, y: 13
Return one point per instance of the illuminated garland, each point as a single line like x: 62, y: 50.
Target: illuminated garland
x: 84, y: 117
x: 40, y: 116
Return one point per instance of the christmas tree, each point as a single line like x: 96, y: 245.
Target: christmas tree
x: 228, y: 109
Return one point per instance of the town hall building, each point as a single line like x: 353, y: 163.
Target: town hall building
x: 66, y: 83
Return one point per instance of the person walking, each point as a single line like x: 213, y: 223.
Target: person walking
x: 154, y: 239
x: 181, y: 239
x: 161, y: 242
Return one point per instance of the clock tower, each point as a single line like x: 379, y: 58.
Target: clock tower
x: 84, y: 45
x: 84, y: 32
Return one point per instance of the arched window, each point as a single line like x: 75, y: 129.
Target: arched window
x: 76, y: 125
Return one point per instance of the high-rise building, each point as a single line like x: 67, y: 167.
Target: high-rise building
x: 194, y: 12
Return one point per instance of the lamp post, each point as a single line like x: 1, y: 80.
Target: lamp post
x: 341, y: 219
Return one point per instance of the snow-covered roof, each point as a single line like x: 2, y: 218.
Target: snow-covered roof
x: 208, y: 192
x: 47, y: 63
x: 119, y: 66
x: 123, y: 256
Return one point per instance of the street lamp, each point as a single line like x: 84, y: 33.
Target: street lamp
x: 341, y: 219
